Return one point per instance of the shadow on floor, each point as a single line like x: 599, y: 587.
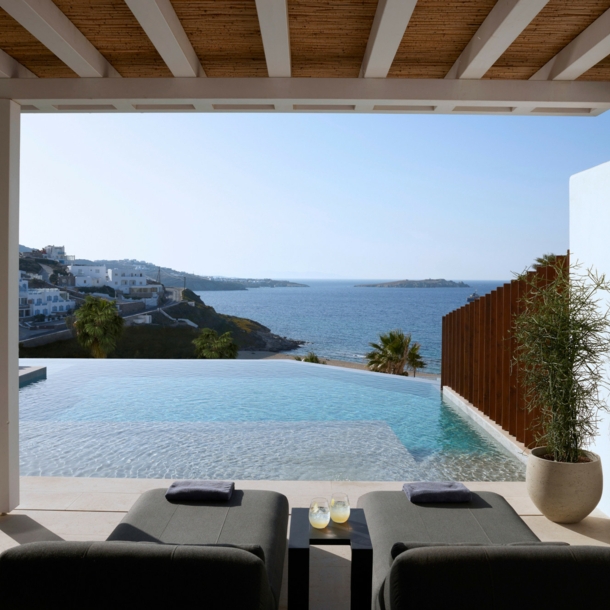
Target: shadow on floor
x: 22, y: 529
x: 329, y: 577
x: 592, y: 527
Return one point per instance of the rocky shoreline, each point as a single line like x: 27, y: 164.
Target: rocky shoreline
x: 270, y: 342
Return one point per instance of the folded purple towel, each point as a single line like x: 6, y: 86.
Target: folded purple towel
x: 444, y: 491
x: 200, y: 491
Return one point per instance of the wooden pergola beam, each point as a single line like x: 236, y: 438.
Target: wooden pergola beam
x: 11, y: 68
x: 273, y: 21
x: 585, y: 51
x: 505, y: 22
x: 162, y: 26
x: 54, y: 30
x: 308, y: 95
x: 391, y: 20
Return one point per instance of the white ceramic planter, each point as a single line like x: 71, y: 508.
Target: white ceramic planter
x: 564, y: 493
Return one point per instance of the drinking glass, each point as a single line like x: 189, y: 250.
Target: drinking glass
x: 339, y: 508
x: 319, y: 513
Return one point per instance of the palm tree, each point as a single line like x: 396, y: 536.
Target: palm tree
x: 414, y: 359
x: 544, y: 260
x: 311, y: 357
x: 390, y: 354
x: 98, y: 326
x: 210, y: 346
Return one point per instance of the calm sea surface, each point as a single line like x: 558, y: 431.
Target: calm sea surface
x: 338, y: 321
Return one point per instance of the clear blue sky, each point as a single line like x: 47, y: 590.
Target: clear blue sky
x: 306, y: 196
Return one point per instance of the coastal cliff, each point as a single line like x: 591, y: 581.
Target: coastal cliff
x: 248, y: 334
x: 171, y: 334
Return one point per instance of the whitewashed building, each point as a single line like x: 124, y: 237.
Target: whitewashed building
x: 124, y: 278
x: 57, y: 253
x: 24, y: 309
x: 49, y: 302
x: 88, y: 276
x: 45, y: 301
x: 132, y: 282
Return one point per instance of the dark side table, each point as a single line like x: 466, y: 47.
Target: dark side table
x: 355, y: 533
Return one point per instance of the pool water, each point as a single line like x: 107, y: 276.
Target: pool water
x: 247, y: 420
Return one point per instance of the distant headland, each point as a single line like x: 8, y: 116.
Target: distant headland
x: 417, y: 284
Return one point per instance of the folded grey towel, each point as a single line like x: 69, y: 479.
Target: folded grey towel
x: 200, y: 491
x: 444, y: 491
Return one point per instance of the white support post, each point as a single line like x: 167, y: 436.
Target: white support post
x: 9, y: 305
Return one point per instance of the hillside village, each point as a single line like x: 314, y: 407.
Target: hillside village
x: 53, y: 284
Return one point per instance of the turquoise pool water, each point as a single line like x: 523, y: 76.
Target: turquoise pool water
x: 247, y: 420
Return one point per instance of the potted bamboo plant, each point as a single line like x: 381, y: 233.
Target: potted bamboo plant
x: 562, y: 346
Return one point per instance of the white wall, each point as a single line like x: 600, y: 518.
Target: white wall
x: 88, y: 275
x: 590, y: 245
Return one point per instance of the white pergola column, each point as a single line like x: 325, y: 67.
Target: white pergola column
x: 9, y: 305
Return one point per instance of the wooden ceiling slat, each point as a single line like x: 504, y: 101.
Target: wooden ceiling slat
x: 225, y: 35
x: 557, y: 24
x: 17, y: 42
x: 114, y: 31
x: 438, y: 32
x: 328, y: 37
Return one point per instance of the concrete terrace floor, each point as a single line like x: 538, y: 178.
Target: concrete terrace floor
x: 73, y: 508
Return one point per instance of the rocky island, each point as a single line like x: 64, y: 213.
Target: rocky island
x: 267, y: 283
x: 417, y: 284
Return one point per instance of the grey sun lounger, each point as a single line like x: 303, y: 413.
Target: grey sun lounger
x: 479, y: 554
x: 208, y: 555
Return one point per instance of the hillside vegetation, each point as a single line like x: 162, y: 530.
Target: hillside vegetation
x: 173, y: 340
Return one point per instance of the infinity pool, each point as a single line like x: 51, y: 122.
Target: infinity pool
x: 247, y: 419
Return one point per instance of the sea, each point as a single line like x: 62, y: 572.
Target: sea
x: 338, y: 321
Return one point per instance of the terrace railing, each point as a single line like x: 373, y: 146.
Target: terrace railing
x: 478, y: 356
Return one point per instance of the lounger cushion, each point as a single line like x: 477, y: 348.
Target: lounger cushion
x: 249, y: 517
x: 401, y: 547
x: 502, y: 578
x: 129, y: 575
x: 391, y: 518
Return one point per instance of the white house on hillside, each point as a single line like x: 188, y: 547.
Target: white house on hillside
x: 45, y: 301
x: 132, y: 282
x: 49, y: 302
x: 57, y: 253
x: 129, y: 281
x: 124, y: 278
x: 23, y: 296
x: 87, y: 276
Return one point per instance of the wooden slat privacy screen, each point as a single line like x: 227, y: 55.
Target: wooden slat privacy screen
x: 477, y: 353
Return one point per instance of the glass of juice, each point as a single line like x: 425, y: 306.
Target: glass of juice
x: 339, y: 507
x: 319, y: 513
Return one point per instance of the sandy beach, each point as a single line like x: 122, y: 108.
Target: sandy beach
x: 260, y: 355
